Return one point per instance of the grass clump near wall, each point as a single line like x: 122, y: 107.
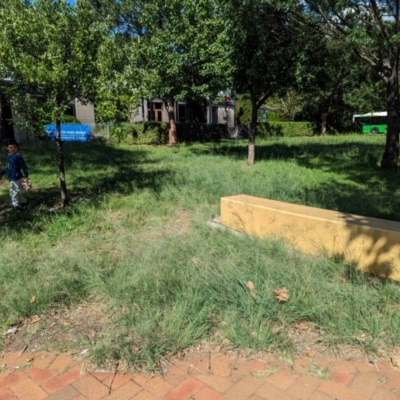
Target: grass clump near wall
x: 136, y: 243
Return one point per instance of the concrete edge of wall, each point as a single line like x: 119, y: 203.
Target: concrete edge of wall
x: 369, y: 244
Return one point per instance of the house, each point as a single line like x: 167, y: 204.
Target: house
x: 155, y: 110
x: 9, y: 128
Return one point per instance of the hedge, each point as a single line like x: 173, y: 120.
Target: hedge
x: 288, y: 129
x: 157, y: 132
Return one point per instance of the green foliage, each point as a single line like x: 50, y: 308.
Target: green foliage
x: 140, y: 133
x: 286, y: 128
x: 120, y: 81
x: 173, y: 44
x: 157, y: 132
x: 50, y: 49
x: 193, y: 132
x: 376, y: 44
x: 288, y: 103
x: 274, y: 116
x: 332, y: 80
x: 263, y: 59
x: 189, y: 64
x: 69, y: 119
x: 243, y: 109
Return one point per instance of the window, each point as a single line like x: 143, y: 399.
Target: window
x: 154, y: 111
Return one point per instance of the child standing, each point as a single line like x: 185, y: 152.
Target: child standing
x: 15, y: 170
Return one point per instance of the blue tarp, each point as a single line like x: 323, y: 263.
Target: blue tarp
x: 70, y: 132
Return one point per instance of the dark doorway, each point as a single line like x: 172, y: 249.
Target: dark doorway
x: 6, y: 125
x: 214, y: 117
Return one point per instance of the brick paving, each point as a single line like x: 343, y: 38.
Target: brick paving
x: 203, y: 376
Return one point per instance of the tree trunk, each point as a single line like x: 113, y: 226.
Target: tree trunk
x: 324, y: 125
x: 61, y: 168
x: 172, y: 136
x: 251, y: 157
x: 391, y: 153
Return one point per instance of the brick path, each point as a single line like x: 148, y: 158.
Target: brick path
x: 37, y: 376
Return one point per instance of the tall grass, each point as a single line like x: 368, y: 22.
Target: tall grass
x: 136, y: 240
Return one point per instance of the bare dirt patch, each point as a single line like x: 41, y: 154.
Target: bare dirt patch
x: 70, y: 330
x: 74, y: 330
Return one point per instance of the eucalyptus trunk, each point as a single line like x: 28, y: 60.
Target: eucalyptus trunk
x: 251, y: 157
x: 172, y: 135
x: 391, y: 153
x: 61, y: 168
x: 324, y: 123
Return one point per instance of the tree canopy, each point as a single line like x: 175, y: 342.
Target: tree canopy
x: 263, y: 53
x: 51, y: 52
x: 183, y: 44
x: 371, y: 28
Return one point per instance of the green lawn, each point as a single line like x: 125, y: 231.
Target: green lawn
x: 136, y: 241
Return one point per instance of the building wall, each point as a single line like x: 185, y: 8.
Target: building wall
x: 142, y: 113
x: 84, y: 112
x: 21, y: 135
x: 222, y: 114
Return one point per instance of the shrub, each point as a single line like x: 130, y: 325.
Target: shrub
x: 243, y: 109
x: 140, y: 132
x: 157, y: 132
x: 288, y: 129
x: 193, y: 132
x: 345, y: 128
x: 69, y: 119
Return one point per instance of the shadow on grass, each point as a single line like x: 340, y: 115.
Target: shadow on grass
x: 354, y: 161
x: 92, y: 171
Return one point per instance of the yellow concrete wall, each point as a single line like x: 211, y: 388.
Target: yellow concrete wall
x: 370, y: 244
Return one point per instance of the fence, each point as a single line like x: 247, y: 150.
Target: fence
x: 100, y: 131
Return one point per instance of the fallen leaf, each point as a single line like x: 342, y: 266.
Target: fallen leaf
x: 282, y: 294
x: 250, y: 286
x: 309, y: 353
x: 33, y: 299
x: 35, y: 319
